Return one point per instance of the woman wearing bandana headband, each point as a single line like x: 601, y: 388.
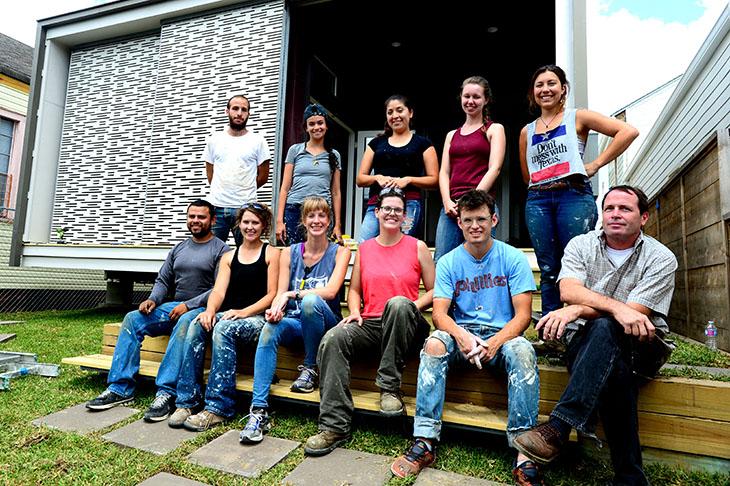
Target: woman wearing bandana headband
x: 311, y: 168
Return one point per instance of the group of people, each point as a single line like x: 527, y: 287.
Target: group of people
x: 605, y: 292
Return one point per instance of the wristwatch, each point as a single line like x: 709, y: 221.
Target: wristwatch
x: 297, y: 295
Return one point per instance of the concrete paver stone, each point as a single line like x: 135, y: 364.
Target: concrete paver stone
x: 156, y: 438
x: 6, y: 337
x: 167, y: 479
x: 226, y: 454
x: 341, y: 467
x: 81, y: 420
x: 436, y: 477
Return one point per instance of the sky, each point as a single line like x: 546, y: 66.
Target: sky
x: 634, y: 46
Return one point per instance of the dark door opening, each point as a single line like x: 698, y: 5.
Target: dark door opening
x: 350, y: 56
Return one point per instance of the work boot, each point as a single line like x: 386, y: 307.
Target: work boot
x: 203, y: 421
x: 391, y: 403
x: 541, y: 444
x: 324, y: 442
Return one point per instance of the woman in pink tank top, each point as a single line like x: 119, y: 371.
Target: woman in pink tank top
x: 472, y: 159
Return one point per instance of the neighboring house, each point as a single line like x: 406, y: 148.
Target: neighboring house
x: 683, y: 165
x: 16, y: 61
x: 126, y: 93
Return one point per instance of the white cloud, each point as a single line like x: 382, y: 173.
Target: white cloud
x: 628, y: 57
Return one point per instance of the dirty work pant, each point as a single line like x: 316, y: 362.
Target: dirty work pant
x: 601, y: 379
x: 316, y: 317
x: 553, y: 218
x: 223, y: 361
x: 516, y: 357
x: 125, y: 363
x: 400, y: 328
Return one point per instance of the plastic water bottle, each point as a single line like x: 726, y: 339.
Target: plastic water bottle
x: 711, y: 335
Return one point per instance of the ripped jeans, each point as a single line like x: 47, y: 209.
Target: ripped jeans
x: 516, y: 357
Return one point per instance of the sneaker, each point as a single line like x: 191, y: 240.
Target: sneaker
x: 541, y: 444
x: 527, y: 474
x: 161, y: 408
x: 307, y: 381
x: 202, y: 421
x: 107, y: 400
x: 258, y: 424
x: 178, y: 418
x: 391, y: 403
x: 411, y: 463
x: 324, y: 442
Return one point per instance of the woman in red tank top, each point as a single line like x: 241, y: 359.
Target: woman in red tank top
x: 472, y: 159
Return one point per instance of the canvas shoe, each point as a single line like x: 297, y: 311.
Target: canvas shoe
x: 106, y: 400
x: 162, y: 406
x: 411, y: 463
x: 257, y: 425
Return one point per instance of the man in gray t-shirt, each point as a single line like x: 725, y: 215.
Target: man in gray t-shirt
x: 618, y: 285
x: 188, y: 274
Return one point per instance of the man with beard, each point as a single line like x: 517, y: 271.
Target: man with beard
x: 188, y: 272
x: 236, y: 163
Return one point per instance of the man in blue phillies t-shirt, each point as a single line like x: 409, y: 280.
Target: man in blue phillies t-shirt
x: 488, y: 284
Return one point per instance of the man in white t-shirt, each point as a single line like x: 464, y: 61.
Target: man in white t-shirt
x: 237, y: 163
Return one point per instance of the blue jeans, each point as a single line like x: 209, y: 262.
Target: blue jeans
x: 316, y: 318
x: 516, y: 357
x: 225, y: 222
x: 125, y: 363
x: 449, y: 235
x: 220, y: 394
x: 553, y: 218
x: 370, y: 227
x: 295, y: 232
x: 601, y: 380
x: 189, y: 384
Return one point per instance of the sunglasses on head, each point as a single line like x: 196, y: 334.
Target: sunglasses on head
x: 253, y: 205
x: 390, y: 190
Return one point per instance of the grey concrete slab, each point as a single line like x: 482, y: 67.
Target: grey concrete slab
x: 436, y: 477
x: 6, y: 337
x: 82, y: 420
x: 342, y: 466
x: 226, y: 454
x: 167, y: 479
x: 156, y: 438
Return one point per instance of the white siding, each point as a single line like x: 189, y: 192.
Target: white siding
x: 12, y: 99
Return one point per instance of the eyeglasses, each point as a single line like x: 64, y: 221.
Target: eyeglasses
x: 391, y: 190
x: 389, y: 209
x: 254, y: 205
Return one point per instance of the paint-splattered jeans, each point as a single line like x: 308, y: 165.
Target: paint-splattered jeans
x: 553, y: 218
x: 400, y: 329
x: 315, y: 319
x: 370, y: 227
x: 601, y: 380
x: 516, y: 357
x: 225, y: 223
x: 125, y: 363
x: 226, y: 334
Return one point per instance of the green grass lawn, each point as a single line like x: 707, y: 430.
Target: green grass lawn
x: 31, y: 455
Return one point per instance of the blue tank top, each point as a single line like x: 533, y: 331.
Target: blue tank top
x: 303, y: 277
x: 556, y: 153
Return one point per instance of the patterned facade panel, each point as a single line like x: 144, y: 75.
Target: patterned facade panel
x: 104, y: 155
x: 202, y: 62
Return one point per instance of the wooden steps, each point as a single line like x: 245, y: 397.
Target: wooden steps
x: 675, y: 414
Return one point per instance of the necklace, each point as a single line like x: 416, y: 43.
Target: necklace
x: 551, y: 120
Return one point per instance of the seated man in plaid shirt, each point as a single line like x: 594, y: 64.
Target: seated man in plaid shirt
x: 618, y: 285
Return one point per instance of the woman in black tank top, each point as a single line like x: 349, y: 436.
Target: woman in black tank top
x: 244, y: 288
